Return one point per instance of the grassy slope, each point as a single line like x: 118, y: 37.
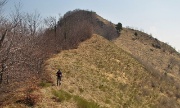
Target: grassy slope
x: 141, y: 46
x: 164, y: 63
x: 100, y: 72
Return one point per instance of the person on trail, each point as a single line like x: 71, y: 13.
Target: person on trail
x: 1, y: 75
x: 59, y: 75
x: 3, y: 68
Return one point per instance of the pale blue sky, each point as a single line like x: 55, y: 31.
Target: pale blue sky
x: 161, y: 18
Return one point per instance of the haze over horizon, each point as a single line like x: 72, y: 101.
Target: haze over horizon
x: 156, y: 17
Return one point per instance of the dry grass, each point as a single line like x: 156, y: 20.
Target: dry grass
x: 159, y: 59
x: 100, y: 71
x: 100, y: 74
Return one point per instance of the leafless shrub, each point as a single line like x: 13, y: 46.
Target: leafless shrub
x: 33, y: 20
x: 20, y: 57
x: 29, y: 98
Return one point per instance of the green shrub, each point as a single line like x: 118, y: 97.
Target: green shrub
x: 45, y: 84
x: 119, y: 26
x: 82, y: 103
x: 62, y: 95
x: 135, y: 34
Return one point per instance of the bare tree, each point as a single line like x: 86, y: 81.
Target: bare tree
x: 33, y: 21
x: 2, y: 3
x: 8, y: 28
x: 2, y: 36
x: 51, y: 23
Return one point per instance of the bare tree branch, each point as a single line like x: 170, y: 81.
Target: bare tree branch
x: 3, y: 2
x: 2, y: 38
x: 33, y: 20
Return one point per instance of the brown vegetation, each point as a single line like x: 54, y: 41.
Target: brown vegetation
x: 148, y: 75
x: 98, y: 66
x: 160, y: 59
x: 25, y: 46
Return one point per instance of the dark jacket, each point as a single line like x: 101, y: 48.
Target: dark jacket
x: 59, y: 74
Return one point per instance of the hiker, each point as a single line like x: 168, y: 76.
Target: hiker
x: 3, y: 67
x: 1, y: 75
x: 59, y: 75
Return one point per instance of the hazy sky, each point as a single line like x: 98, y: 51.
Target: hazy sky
x: 161, y: 18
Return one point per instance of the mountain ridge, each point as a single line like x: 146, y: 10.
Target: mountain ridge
x: 98, y: 66
x: 102, y: 68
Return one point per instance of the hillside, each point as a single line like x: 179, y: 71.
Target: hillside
x: 90, y: 21
x: 106, y: 76
x: 26, y: 55
x: 100, y: 69
x: 151, y: 52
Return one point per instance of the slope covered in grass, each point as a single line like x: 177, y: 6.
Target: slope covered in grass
x: 101, y: 73
x: 158, y: 57
x: 151, y: 51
